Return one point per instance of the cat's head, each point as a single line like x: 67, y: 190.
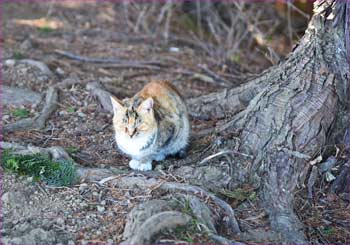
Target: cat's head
x: 133, y: 121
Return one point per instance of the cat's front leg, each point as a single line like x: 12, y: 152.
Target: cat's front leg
x: 140, y: 165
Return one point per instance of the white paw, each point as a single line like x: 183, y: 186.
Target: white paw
x: 145, y: 166
x: 137, y: 165
x: 159, y: 157
x: 134, y: 164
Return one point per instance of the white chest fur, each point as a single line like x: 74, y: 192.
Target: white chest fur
x: 137, y: 146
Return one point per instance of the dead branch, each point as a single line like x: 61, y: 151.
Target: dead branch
x: 311, y: 182
x: 39, y: 121
x: 106, y: 60
x: 214, y: 75
x: 130, y: 66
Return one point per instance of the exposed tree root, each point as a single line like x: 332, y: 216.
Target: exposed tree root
x: 227, y: 213
x: 38, y: 64
x: 39, y: 121
x: 140, y: 214
x: 156, y: 223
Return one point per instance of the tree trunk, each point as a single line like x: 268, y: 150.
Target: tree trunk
x: 282, y: 119
x: 289, y: 112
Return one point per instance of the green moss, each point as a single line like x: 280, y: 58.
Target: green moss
x: 40, y: 167
x: 236, y: 58
x: 239, y: 194
x: 186, y: 207
x: 328, y: 231
x: 70, y: 109
x: 20, y: 112
x: 71, y: 150
x: 45, y: 29
x: 18, y: 56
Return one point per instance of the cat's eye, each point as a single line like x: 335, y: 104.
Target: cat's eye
x: 125, y: 120
x: 138, y: 121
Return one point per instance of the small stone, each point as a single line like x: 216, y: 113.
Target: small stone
x: 83, y: 187
x: 62, y: 113
x: 174, y: 49
x: 95, y: 193
x: 70, y: 242
x: 26, y: 45
x: 103, y: 202
x: 59, y: 71
x: 110, y: 241
x: 159, y: 167
x: 100, y: 209
x: 81, y: 114
x: 60, y: 221
x: 5, y: 117
x: 10, y: 62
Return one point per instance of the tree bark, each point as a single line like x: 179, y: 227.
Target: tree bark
x: 289, y: 112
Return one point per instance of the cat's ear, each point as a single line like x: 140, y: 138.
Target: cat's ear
x: 147, y: 104
x: 117, y: 104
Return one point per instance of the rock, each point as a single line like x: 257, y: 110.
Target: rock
x: 174, y: 49
x: 14, y: 199
x: 60, y: 221
x: 59, y: 71
x: 62, y: 113
x: 81, y: 114
x: 38, y: 64
x: 10, y: 62
x: 19, y: 96
x: 83, y: 186
x: 35, y: 236
x: 26, y: 45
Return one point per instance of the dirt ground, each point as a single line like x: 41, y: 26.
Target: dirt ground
x: 89, y: 213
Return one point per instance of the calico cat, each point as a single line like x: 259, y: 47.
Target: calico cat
x: 151, y: 125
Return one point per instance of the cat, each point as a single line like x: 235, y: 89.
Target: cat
x: 151, y: 125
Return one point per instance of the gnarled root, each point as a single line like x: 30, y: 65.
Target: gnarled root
x: 156, y: 223
x: 143, y: 222
x: 39, y: 121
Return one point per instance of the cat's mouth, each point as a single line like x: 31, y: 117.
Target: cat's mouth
x: 132, y: 133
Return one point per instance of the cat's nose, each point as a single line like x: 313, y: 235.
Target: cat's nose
x: 131, y: 132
